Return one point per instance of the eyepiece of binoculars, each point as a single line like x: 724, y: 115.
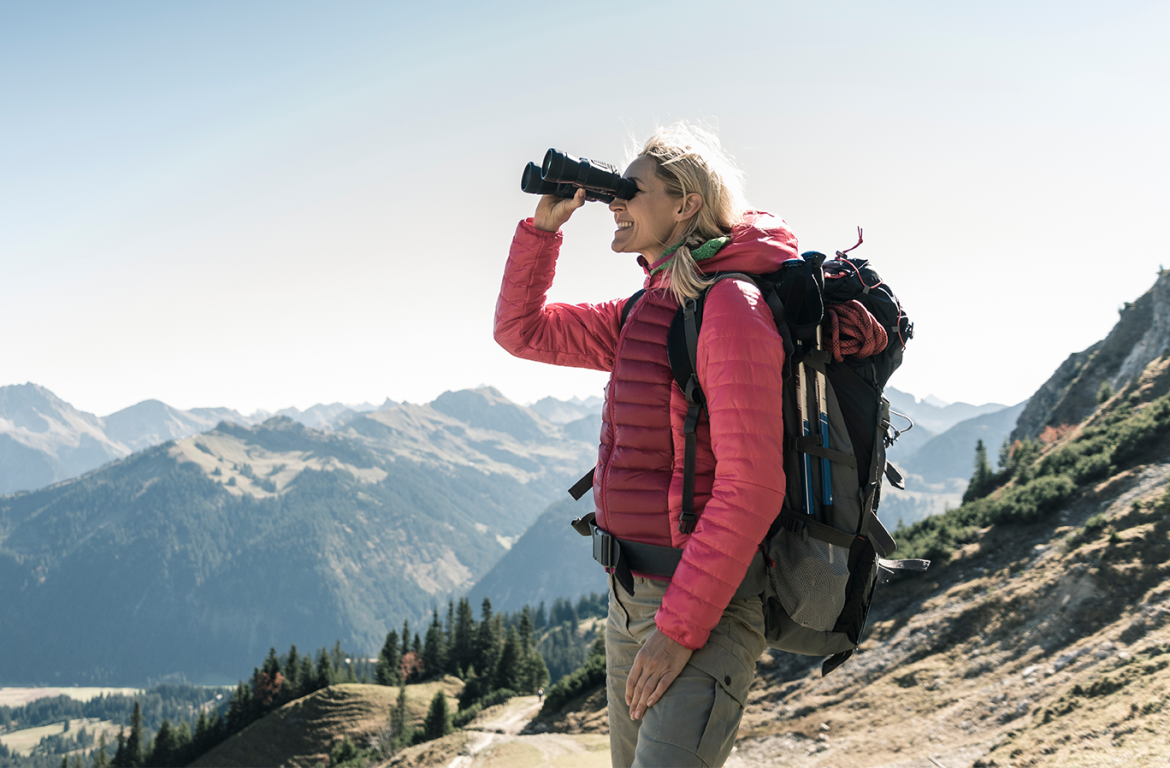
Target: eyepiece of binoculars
x: 563, y: 174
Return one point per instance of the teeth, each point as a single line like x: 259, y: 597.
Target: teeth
x: 625, y: 224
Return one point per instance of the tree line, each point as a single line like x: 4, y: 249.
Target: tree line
x: 498, y: 656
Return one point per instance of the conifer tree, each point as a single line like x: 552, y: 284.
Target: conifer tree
x: 433, y: 651
x: 540, y: 621
x: 535, y: 673
x: 163, y: 753
x: 134, y: 742
x: 463, y: 645
x: 306, y: 680
x: 398, y: 726
x: 524, y: 630
x: 183, y: 743
x: 271, y: 663
x: 201, y: 742
x: 508, y: 666
x: 324, y: 670
x: 386, y: 673
x: 292, y: 668
x: 438, y: 722
x: 983, y: 480
x: 101, y: 758
x: 121, y: 758
x: 405, y: 638
x: 449, y: 639
x: 487, y: 642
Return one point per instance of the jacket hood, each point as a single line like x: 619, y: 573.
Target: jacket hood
x: 758, y: 245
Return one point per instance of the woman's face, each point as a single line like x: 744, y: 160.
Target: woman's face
x: 646, y: 224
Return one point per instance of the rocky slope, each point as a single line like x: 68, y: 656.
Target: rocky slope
x: 1141, y: 335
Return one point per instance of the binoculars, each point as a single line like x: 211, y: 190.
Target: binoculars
x: 562, y: 175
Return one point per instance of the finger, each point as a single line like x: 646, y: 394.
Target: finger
x: 660, y: 688
x: 645, y: 693
x: 632, y: 681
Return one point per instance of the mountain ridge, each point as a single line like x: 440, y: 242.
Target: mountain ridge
x: 196, y: 555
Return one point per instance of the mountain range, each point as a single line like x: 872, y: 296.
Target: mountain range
x: 336, y: 521
x: 197, y: 555
x: 44, y: 439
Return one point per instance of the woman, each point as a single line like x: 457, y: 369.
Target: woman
x: 680, y: 651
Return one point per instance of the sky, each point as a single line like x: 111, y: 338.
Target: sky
x: 269, y: 204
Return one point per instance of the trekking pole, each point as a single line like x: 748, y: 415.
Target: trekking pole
x: 805, y: 431
x: 823, y: 418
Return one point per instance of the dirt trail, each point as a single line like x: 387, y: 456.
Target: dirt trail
x: 498, y: 741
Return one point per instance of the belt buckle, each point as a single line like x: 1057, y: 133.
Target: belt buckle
x: 604, y: 548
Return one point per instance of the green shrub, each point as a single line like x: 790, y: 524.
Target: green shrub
x: 1031, y: 502
x: 498, y: 696
x: 1094, y: 524
x: 465, y: 716
x: 1104, y: 392
x: 345, y: 753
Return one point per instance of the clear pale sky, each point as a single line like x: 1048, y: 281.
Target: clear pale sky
x: 268, y: 204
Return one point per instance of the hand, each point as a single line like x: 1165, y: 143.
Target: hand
x: 656, y: 666
x: 552, y: 212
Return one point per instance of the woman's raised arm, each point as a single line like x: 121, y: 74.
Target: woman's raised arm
x: 577, y: 335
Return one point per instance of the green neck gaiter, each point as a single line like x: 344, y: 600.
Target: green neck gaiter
x: 704, y: 251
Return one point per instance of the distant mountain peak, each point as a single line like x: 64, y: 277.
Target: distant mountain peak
x: 264, y: 460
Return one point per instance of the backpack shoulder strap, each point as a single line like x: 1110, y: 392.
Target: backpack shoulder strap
x: 585, y: 484
x: 629, y: 306
x: 684, y: 364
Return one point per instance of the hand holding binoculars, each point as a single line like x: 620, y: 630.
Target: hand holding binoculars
x: 562, y: 175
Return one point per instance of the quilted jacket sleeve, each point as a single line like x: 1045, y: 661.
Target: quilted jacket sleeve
x: 581, y: 335
x: 739, y: 360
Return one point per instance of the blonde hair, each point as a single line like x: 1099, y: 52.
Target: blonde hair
x: 690, y: 161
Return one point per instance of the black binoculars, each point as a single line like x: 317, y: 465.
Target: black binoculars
x: 562, y: 175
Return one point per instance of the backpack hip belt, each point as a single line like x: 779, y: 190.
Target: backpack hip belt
x: 624, y: 557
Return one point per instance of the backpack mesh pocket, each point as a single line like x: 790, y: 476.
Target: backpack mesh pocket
x: 809, y: 580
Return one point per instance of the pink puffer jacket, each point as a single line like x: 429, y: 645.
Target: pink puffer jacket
x: 739, y: 481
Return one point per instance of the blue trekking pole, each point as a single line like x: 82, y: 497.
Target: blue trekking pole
x: 823, y: 417
x: 805, y: 431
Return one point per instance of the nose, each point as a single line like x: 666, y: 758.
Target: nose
x: 617, y: 204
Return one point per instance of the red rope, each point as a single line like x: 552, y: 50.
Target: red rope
x: 854, y: 331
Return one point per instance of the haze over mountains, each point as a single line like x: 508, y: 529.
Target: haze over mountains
x: 188, y: 542
x: 44, y: 439
x: 196, y: 555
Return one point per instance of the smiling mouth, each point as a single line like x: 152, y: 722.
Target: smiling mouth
x: 624, y: 224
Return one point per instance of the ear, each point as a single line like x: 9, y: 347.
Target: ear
x: 689, y: 207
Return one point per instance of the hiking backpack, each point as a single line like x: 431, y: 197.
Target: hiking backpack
x: 819, y: 563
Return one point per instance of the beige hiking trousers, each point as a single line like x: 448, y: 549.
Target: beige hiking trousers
x: 696, y: 721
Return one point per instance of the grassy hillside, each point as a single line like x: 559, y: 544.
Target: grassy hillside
x: 302, y: 732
